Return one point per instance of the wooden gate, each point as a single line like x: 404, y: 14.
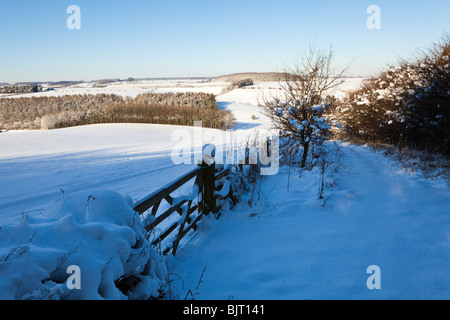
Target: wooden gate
x: 185, y: 211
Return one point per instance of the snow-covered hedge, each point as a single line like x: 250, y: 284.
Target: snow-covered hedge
x: 406, y: 105
x: 98, y: 234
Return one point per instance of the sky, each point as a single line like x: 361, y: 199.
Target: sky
x: 206, y: 38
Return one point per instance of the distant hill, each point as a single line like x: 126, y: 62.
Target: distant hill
x: 255, y: 76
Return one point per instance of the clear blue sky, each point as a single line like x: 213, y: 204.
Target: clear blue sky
x: 168, y: 38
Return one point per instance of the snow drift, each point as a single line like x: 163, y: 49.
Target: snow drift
x: 98, y: 232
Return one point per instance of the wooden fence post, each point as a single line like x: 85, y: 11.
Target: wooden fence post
x: 209, y: 184
x: 201, y: 193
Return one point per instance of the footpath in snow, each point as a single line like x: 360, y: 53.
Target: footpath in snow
x: 289, y: 246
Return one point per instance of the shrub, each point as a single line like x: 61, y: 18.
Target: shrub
x: 242, y: 83
x: 238, y: 84
x: 407, y: 105
x: 300, y: 114
x: 19, y: 89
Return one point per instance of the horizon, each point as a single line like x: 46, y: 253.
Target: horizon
x: 201, y: 39
x: 150, y: 79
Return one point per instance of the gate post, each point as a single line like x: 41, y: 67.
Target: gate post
x: 209, y: 183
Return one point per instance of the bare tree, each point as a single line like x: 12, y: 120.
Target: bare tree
x: 306, y: 88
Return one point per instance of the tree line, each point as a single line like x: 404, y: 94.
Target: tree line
x: 75, y: 110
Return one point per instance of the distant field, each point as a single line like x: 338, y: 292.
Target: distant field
x: 255, y: 76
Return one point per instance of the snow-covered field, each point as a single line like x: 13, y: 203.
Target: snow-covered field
x: 130, y: 89
x: 37, y: 165
x: 293, y: 248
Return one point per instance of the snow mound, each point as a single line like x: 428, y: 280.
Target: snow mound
x: 99, y: 233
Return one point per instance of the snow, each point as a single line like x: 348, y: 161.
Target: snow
x: 224, y: 191
x: 244, y: 116
x: 130, y: 89
x: 289, y: 247
x: 98, y: 233
x: 131, y: 159
x: 68, y: 193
